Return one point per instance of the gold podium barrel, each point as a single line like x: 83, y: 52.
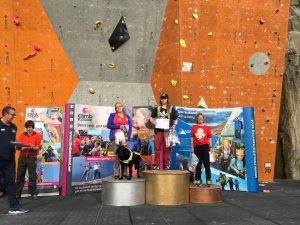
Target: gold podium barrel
x: 167, y: 187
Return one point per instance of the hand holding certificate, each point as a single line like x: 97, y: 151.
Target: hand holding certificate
x: 162, y: 124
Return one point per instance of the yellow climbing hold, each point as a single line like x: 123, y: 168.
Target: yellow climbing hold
x: 111, y: 65
x: 177, y: 21
x: 185, y: 97
x: 173, y: 83
x: 182, y: 43
x: 210, y: 87
x: 210, y: 34
x: 195, y: 16
x: 92, y: 90
x: 97, y: 24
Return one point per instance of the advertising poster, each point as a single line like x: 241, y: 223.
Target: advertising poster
x: 48, y: 122
x: 88, y: 158
x: 233, y: 159
x: 143, y: 134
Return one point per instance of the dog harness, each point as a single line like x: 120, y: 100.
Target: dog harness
x: 130, y: 157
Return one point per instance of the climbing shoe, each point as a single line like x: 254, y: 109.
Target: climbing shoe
x: 208, y: 182
x: 198, y: 182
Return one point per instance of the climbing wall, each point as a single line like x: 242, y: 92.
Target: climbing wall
x: 229, y: 53
x: 34, y: 68
x: 105, y: 76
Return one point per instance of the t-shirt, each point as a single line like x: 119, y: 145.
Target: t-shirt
x: 121, y: 121
x: 76, y: 144
x: 200, y: 134
x: 163, y: 114
x: 237, y: 164
x: 34, y: 140
x: 7, y: 134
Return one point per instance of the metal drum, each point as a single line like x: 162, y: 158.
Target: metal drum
x: 204, y: 194
x: 167, y: 187
x: 123, y: 192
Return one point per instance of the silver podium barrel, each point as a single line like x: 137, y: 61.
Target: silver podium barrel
x: 123, y: 192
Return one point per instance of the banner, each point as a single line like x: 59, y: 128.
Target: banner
x: 48, y: 122
x: 233, y: 160
x: 88, y: 158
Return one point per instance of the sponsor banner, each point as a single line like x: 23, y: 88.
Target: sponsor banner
x: 233, y: 159
x: 48, y: 122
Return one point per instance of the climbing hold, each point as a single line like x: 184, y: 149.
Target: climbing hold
x: 210, y: 87
x: 97, y: 25
x: 111, y: 65
x: 202, y: 103
x: 92, y: 90
x: 173, y: 83
x: 177, y: 21
x: 261, y: 21
x: 16, y: 21
x: 210, y: 34
x: 267, y: 119
x: 195, y: 16
x: 185, y: 97
x: 30, y: 56
x: 186, y: 67
x: 119, y: 36
x: 36, y: 47
x: 277, y: 11
x: 263, y: 109
x: 182, y: 43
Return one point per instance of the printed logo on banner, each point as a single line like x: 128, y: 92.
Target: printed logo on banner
x: 85, y: 116
x: 32, y: 114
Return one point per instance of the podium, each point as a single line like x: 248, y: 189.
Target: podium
x: 204, y: 194
x: 123, y: 192
x: 167, y: 187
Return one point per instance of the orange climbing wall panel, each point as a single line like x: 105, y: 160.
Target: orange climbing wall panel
x: 46, y: 79
x: 220, y: 40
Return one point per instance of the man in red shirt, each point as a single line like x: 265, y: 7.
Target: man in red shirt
x: 76, y: 142
x: 27, y: 159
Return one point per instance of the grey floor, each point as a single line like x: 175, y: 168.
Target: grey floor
x: 280, y: 206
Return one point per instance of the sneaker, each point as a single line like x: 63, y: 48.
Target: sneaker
x: 18, y: 210
x: 167, y: 167
x: 208, y: 182
x: 34, y: 197
x: 155, y: 167
x: 198, y: 182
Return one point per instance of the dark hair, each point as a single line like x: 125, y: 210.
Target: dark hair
x: 29, y: 123
x: 197, y: 115
x: 6, y: 110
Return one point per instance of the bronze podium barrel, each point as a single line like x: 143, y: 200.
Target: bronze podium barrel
x: 206, y: 195
x: 167, y: 187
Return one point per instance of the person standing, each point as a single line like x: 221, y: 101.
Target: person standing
x: 163, y: 111
x: 97, y: 172
x: 201, y: 145
x: 236, y: 184
x: 238, y: 126
x: 8, y: 132
x: 27, y: 159
x: 118, y: 121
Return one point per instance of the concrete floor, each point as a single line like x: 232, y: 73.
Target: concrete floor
x: 280, y: 206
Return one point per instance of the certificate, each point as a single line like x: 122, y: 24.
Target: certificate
x: 162, y: 124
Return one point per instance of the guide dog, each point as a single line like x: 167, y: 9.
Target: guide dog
x: 128, y: 158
